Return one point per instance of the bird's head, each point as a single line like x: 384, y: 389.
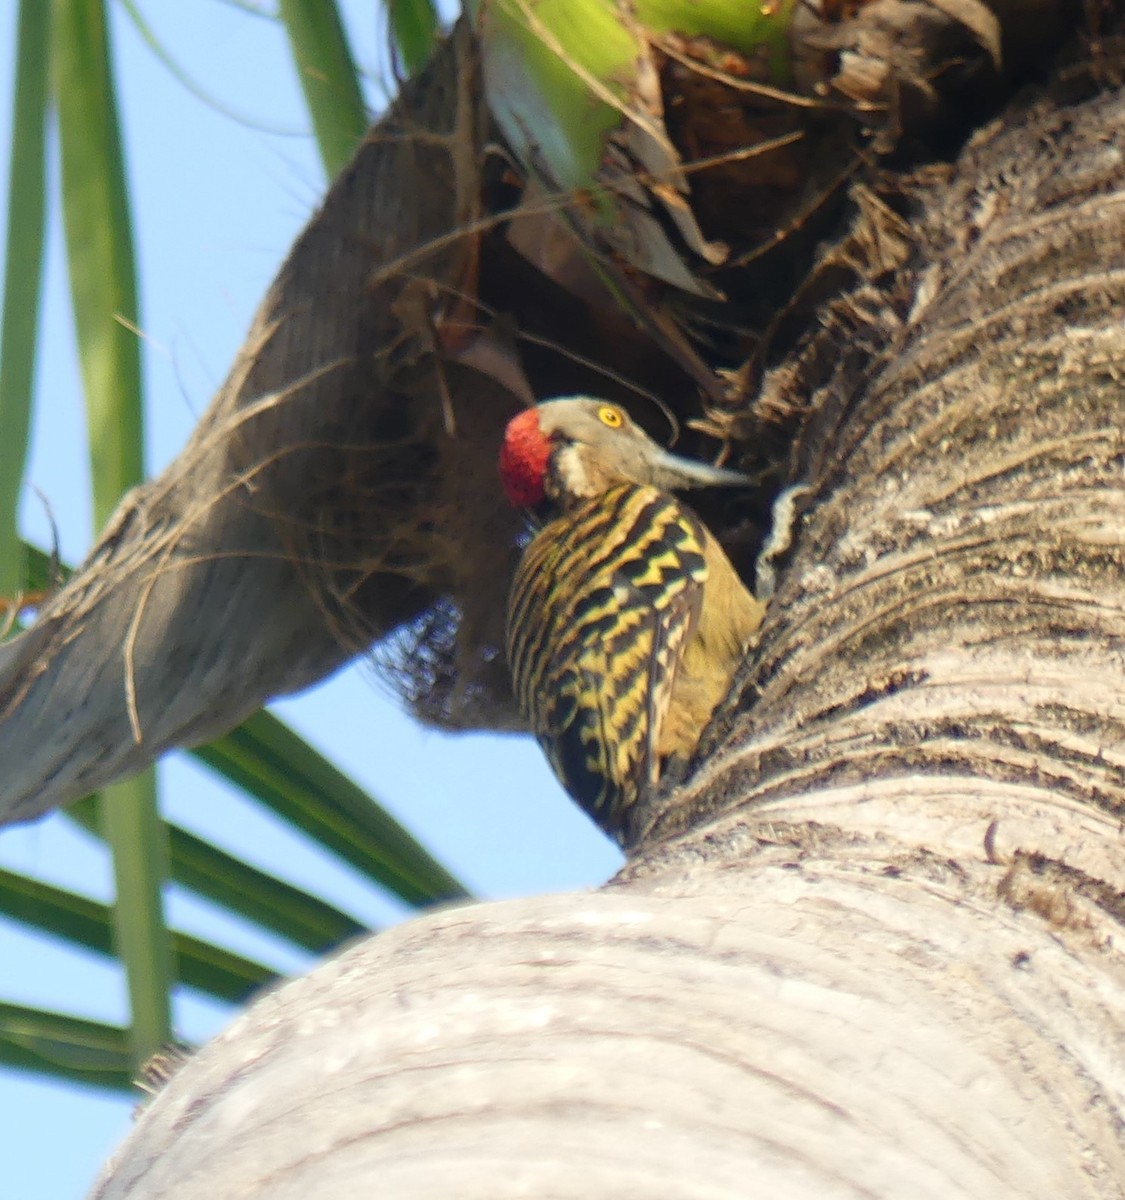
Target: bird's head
x: 574, y: 448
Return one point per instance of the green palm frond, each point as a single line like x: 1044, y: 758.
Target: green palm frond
x: 103, y: 289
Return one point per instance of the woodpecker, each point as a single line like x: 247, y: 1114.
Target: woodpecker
x: 626, y: 620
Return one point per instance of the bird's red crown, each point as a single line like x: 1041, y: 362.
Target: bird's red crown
x: 523, y: 459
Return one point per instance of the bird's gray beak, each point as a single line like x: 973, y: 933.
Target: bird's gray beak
x: 670, y: 471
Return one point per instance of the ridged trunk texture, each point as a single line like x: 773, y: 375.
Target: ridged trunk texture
x: 872, y: 947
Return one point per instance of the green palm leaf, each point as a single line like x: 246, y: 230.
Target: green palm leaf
x: 104, y: 295
x: 328, y: 78
x: 64, y: 1047
x: 414, y: 25
x: 80, y: 921
x: 23, y: 269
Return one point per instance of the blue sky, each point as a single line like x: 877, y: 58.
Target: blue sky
x: 216, y: 204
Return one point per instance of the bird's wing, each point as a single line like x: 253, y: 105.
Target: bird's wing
x: 602, y: 606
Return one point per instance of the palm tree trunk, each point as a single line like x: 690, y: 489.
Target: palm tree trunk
x: 872, y: 946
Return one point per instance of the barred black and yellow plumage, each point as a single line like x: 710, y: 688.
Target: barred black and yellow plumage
x: 626, y: 620
x: 593, y: 662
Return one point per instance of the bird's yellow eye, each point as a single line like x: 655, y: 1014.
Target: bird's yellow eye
x: 610, y: 416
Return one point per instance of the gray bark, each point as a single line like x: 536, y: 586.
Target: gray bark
x: 790, y: 1030
x: 872, y: 946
